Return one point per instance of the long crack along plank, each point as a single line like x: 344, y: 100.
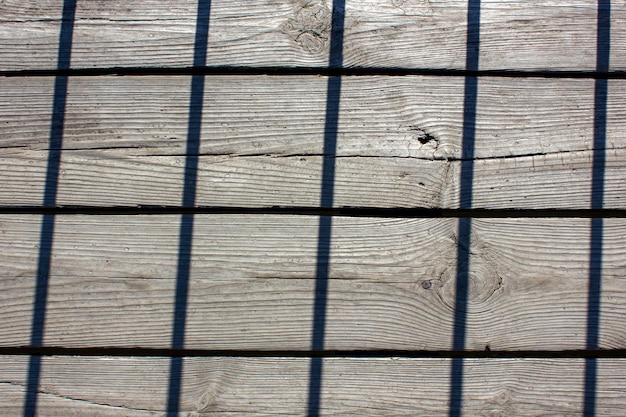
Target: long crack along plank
x: 252, y: 282
x: 518, y: 35
x: 110, y: 386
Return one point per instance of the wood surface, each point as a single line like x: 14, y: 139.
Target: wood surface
x: 285, y: 115
x: 399, y: 141
x: 104, y: 386
x: 519, y: 35
x: 103, y: 178
x: 253, y: 278
x: 252, y: 282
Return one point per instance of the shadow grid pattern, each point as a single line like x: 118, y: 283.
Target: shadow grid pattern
x: 322, y: 276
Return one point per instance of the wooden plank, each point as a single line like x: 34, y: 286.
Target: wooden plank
x: 14, y: 377
x: 399, y: 141
x: 548, y: 34
x: 279, y: 386
x: 105, y: 178
x: 111, y: 178
x: 252, y: 280
x: 252, y: 115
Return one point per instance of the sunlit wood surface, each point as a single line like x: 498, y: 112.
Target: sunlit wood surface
x: 418, y: 212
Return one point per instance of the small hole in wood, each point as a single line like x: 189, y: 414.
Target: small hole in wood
x: 426, y: 138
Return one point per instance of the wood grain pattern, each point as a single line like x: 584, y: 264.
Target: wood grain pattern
x: 279, y: 386
x: 252, y: 115
x: 111, y: 178
x: 537, y: 35
x: 252, y: 278
x: 252, y: 282
x: 399, y: 141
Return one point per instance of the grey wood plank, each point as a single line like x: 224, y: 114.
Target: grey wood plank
x: 552, y: 34
x: 112, y: 178
x: 279, y: 386
x: 412, y: 116
x: 399, y: 141
x: 252, y: 282
x: 103, y: 178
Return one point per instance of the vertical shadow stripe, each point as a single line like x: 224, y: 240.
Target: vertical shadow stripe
x: 49, y: 200
x: 189, y: 199
x: 333, y: 97
x: 465, y: 223
x: 597, y: 202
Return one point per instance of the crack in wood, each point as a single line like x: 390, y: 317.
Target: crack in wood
x: 81, y: 400
x: 433, y: 158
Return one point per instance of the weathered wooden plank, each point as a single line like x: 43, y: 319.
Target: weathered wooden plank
x: 252, y: 115
x: 105, y: 178
x: 279, y: 386
x: 252, y: 280
x: 538, y: 35
x: 125, y: 140
x: 111, y: 178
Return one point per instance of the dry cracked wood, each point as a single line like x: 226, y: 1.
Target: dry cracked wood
x: 410, y: 116
x: 252, y: 278
x: 399, y: 142
x: 111, y: 179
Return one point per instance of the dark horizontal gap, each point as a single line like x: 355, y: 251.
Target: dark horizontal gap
x: 469, y: 354
x: 324, y: 71
x: 316, y: 211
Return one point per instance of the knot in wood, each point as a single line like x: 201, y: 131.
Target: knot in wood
x: 310, y: 26
x: 501, y: 404
x: 482, y: 283
x: 208, y: 398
